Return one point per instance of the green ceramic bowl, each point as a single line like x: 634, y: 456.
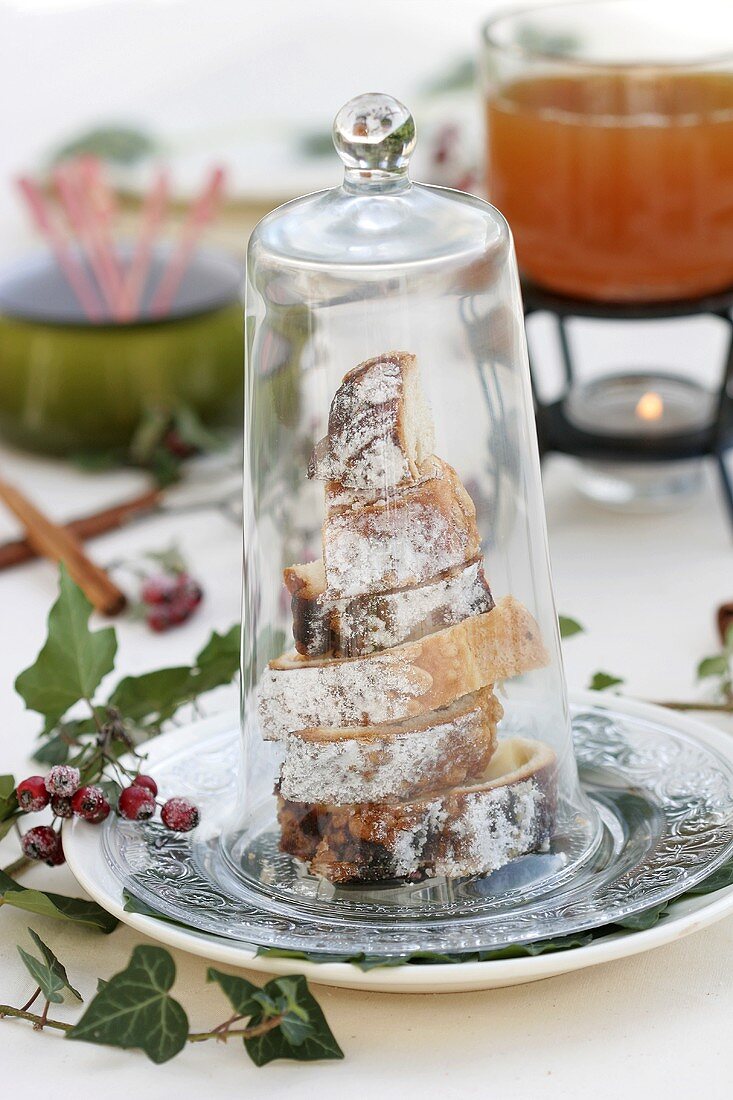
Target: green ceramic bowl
x: 68, y: 384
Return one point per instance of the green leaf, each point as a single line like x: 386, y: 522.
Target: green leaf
x: 194, y: 432
x: 7, y: 824
x: 8, y: 800
x: 717, y: 881
x: 293, y: 996
x: 170, y: 560
x: 153, y: 697
x: 601, y: 680
x: 49, y: 974
x: 569, y: 626
x: 47, y: 904
x: 54, y: 750
x: 713, y: 666
x: 50, y: 983
x: 639, y: 922
x: 239, y: 991
x: 134, y: 1010
x: 73, y: 659
x: 218, y: 662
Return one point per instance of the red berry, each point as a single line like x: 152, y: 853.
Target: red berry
x: 159, y: 620
x: 136, y: 803
x: 63, y: 780
x: 180, y: 815
x: 32, y: 794
x: 61, y: 806
x: 146, y: 781
x: 90, y: 803
x: 158, y: 590
x: 43, y: 843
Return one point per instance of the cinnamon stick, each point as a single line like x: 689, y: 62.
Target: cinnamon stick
x: 19, y: 551
x: 59, y: 544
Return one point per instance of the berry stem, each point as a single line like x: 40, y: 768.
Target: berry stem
x: 34, y: 1018
x: 22, y: 863
x: 229, y: 1033
x: 722, y: 708
x: 42, y: 1021
x: 28, y: 1003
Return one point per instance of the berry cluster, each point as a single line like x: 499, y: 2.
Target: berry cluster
x: 63, y: 791
x: 170, y: 599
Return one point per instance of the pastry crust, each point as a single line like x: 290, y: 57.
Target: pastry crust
x: 402, y: 682
x: 398, y: 760
x: 463, y: 831
x: 379, y: 426
x: 361, y: 625
x: 415, y: 535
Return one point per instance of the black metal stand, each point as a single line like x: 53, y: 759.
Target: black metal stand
x: 558, y: 434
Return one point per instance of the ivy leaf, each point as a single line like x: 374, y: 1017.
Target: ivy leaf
x: 717, y: 881
x: 218, y: 662
x: 153, y: 697
x: 713, y: 666
x: 291, y: 995
x: 601, y: 680
x: 133, y: 1009
x: 639, y: 922
x: 238, y: 991
x: 73, y: 660
x: 49, y: 974
x: 50, y: 984
x: 569, y: 626
x: 47, y: 904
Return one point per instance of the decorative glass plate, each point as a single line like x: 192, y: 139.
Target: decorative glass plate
x: 663, y: 788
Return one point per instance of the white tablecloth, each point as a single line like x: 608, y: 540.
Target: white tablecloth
x: 651, y: 1025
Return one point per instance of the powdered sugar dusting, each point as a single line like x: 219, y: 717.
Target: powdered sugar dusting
x: 391, y: 764
x: 397, y: 617
x: 338, y: 694
x: 408, y: 544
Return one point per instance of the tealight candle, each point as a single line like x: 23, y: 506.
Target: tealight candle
x: 644, y: 405
x: 653, y: 408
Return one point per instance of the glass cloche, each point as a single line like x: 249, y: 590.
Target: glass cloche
x: 407, y: 754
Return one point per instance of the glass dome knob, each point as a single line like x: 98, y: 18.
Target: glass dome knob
x: 374, y: 132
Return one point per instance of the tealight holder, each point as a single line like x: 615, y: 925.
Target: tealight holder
x: 641, y: 435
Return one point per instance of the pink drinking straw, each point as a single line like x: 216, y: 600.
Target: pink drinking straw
x: 153, y: 213
x: 200, y: 214
x: 75, y: 274
x: 85, y: 223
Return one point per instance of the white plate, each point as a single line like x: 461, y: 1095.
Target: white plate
x: 85, y: 857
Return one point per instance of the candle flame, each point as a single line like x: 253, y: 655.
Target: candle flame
x: 650, y: 406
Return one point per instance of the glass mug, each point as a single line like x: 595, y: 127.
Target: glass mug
x: 610, y: 145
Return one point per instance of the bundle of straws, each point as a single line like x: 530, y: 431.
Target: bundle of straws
x: 78, y: 217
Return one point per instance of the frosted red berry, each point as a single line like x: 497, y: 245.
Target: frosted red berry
x: 172, y: 600
x: 43, y: 843
x: 91, y: 804
x: 63, y: 780
x: 180, y: 815
x: 136, y: 803
x: 146, y: 781
x: 158, y: 589
x: 32, y: 794
x: 61, y: 806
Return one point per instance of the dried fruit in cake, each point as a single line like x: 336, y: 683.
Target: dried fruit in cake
x: 417, y: 534
x: 397, y: 760
x: 462, y: 831
x: 379, y: 426
x: 361, y: 625
x: 410, y: 679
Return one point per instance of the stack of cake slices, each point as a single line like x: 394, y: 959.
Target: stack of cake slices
x: 386, y: 708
